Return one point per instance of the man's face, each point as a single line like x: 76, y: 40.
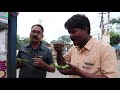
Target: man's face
x: 77, y: 36
x: 36, y: 34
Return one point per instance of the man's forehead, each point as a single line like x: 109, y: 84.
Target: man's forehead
x: 37, y: 28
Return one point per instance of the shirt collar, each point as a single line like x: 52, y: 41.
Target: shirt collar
x: 88, y: 44
x: 40, y: 46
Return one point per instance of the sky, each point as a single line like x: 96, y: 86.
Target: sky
x: 53, y: 22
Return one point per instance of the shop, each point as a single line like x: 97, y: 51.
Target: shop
x: 8, y: 32
x: 3, y: 43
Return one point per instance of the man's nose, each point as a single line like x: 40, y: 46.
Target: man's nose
x: 35, y: 33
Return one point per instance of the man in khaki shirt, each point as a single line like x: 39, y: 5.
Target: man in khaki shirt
x: 88, y: 58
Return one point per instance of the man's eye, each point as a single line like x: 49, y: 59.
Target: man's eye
x: 38, y: 32
x: 33, y: 31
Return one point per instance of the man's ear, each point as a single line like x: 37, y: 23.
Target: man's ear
x: 85, y: 29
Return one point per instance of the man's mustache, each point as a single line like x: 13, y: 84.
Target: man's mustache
x: 35, y: 37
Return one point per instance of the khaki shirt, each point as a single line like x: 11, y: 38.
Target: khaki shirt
x: 96, y: 57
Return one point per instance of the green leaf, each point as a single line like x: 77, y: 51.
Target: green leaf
x: 21, y: 60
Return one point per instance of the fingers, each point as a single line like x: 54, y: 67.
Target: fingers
x: 70, y: 65
x: 36, y: 58
x: 38, y: 61
x: 62, y: 71
x: 20, y: 62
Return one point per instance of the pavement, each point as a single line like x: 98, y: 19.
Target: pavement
x: 56, y: 74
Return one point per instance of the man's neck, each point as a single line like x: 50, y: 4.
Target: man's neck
x: 84, y: 43
x: 35, y: 45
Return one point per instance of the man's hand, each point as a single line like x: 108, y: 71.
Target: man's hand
x: 39, y: 62
x: 72, y: 70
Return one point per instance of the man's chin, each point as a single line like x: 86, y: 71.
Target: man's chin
x: 35, y: 41
x: 74, y: 43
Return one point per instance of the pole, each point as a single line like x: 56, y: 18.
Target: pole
x: 12, y: 35
x: 102, y: 24
x: 108, y: 22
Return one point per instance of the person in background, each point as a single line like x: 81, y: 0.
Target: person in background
x: 38, y: 57
x: 87, y: 58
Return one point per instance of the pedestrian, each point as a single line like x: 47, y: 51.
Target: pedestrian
x: 38, y: 57
x: 88, y: 57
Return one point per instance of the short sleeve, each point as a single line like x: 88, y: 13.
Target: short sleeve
x: 49, y: 57
x: 67, y: 56
x: 109, y: 63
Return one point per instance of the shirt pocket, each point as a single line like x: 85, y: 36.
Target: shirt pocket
x: 88, y: 64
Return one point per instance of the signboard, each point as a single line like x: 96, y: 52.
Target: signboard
x: 3, y: 43
x: 3, y: 53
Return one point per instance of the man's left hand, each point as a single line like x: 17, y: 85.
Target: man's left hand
x: 73, y: 70
x: 39, y: 62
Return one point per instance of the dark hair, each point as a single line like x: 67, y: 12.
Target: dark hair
x: 38, y: 26
x: 78, y: 21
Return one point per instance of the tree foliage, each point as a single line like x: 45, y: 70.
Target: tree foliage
x: 115, y: 20
x: 18, y: 43
x: 45, y: 43
x: 114, y: 38
x: 64, y: 39
x: 24, y: 40
x: 53, y: 41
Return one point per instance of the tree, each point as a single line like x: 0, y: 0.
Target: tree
x: 18, y: 43
x: 25, y: 40
x: 114, y: 38
x: 65, y: 39
x: 115, y: 20
x: 21, y: 41
x: 45, y: 43
x: 53, y: 41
